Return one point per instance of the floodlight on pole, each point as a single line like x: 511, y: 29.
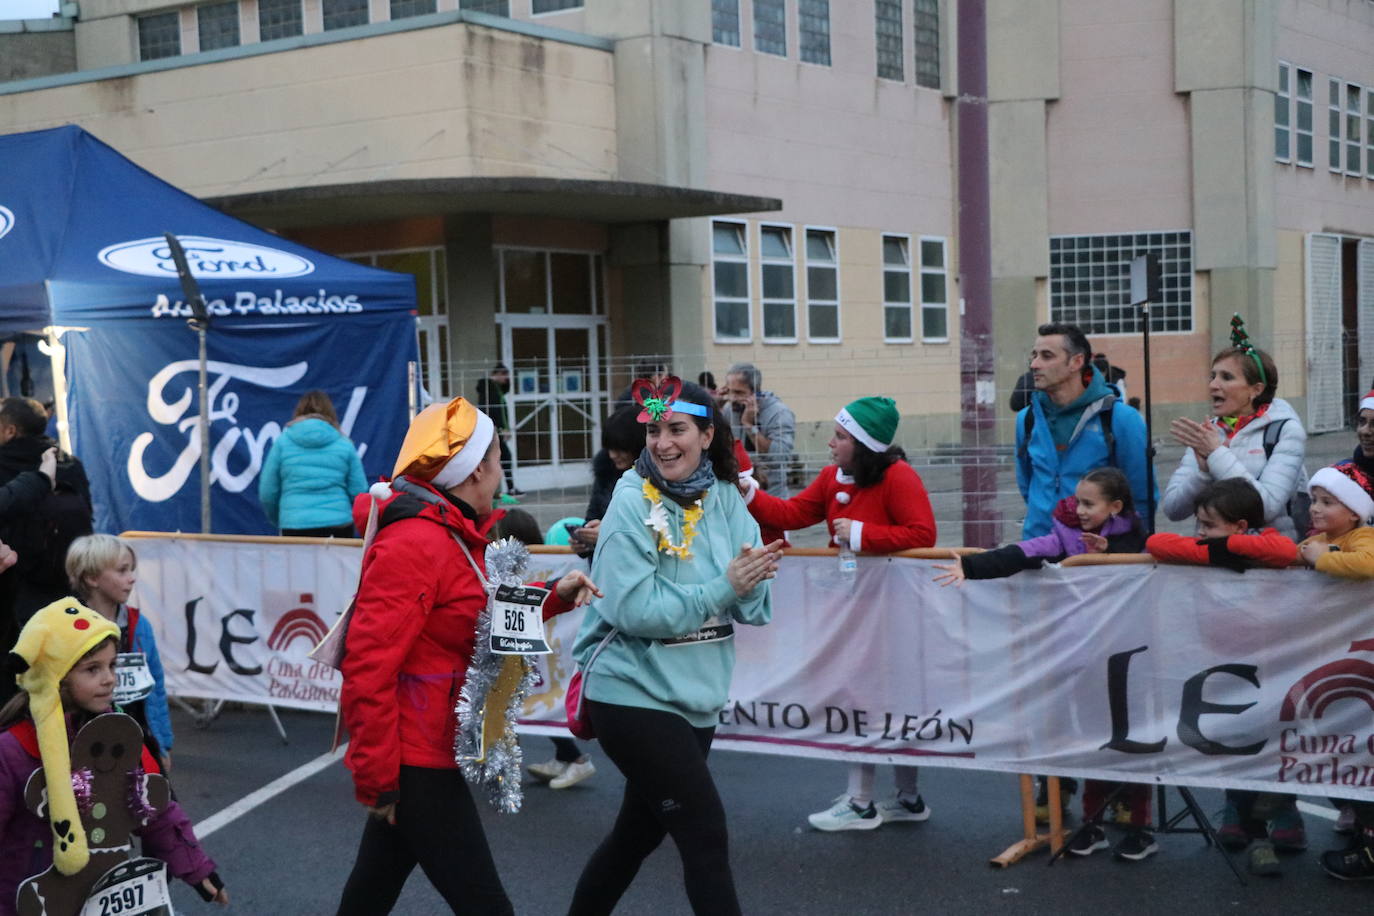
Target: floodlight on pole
x: 200, y: 323
x: 1147, y: 287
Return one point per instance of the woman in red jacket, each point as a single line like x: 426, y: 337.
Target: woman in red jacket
x: 409, y: 643
x: 871, y: 500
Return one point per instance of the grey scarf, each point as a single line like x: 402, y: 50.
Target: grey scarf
x: 683, y: 492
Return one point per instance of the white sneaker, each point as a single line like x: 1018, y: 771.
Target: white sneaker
x: 898, y: 809
x: 549, y: 770
x: 577, y: 771
x: 845, y: 815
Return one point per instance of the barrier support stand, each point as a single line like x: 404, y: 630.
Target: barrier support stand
x: 1032, y: 839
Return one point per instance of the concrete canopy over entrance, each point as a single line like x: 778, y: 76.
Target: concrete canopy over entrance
x: 599, y: 201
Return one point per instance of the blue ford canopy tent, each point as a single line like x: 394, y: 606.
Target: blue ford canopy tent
x: 83, y: 259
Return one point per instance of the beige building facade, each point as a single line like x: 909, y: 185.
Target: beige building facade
x: 579, y: 185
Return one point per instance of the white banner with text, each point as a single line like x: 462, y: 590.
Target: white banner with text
x: 1177, y: 675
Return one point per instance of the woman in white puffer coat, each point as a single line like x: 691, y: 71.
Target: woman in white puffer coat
x: 1251, y: 435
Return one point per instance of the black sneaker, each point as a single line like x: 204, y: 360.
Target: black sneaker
x: 1089, y: 841
x: 1354, y: 863
x: 1136, y: 845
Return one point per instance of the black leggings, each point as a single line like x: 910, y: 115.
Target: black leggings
x: 668, y: 790
x: 438, y: 828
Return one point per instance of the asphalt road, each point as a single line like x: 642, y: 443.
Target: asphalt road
x: 291, y: 854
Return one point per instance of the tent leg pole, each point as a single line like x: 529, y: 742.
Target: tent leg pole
x: 204, y: 437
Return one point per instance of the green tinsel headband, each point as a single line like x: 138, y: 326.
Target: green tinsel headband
x: 1241, y: 341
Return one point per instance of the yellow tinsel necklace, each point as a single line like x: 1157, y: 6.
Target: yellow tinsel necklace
x: 658, y: 521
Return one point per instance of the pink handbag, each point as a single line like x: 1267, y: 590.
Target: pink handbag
x: 579, y: 723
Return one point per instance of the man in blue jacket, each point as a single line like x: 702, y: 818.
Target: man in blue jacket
x: 1073, y: 424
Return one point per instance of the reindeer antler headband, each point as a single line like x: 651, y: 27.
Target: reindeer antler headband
x: 660, y: 401
x: 1241, y: 341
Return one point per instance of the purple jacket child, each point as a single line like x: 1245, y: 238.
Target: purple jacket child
x: 24, y: 837
x: 1123, y: 533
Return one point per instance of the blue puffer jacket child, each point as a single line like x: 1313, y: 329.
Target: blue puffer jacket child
x: 310, y: 476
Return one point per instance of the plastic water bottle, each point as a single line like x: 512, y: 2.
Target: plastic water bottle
x: 849, y: 564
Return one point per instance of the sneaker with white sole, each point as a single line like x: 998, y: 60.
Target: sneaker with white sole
x: 578, y: 770
x: 1135, y: 846
x: 1089, y: 840
x: 898, y: 809
x: 845, y: 815
x: 548, y: 770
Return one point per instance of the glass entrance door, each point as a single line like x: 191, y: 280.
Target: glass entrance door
x: 556, y: 396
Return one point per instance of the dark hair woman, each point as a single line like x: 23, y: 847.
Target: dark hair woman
x: 871, y: 500
x: 657, y: 651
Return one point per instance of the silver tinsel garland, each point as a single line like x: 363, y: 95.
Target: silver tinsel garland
x: 498, y: 766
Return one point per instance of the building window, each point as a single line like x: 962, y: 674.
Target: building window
x: 934, y: 291
x: 1354, y: 120
x: 822, y: 287
x: 778, y: 268
x: 1283, y: 109
x: 494, y: 7
x: 404, y: 9
x: 1090, y: 281
x: 887, y: 16
x: 1303, y: 117
x: 730, y: 266
x: 159, y: 35
x: 554, y: 6
x: 218, y: 25
x: 725, y: 22
x: 431, y: 305
x: 1333, y: 124
x: 1369, y: 133
x: 279, y: 19
x: 341, y: 14
x: 813, y: 21
x: 925, y: 36
x: 896, y: 289
x: 770, y: 27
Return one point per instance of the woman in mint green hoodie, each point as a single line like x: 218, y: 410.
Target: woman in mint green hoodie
x: 680, y: 564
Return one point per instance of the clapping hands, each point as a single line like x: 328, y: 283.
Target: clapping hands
x: 753, y: 565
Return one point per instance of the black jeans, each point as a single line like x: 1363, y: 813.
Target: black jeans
x: 566, y: 750
x: 507, y: 464
x: 437, y: 827
x: 668, y: 790
x: 334, y: 531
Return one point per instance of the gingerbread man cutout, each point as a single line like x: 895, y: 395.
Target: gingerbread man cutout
x: 108, y: 753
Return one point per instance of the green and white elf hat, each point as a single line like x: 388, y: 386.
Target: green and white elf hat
x: 873, y: 421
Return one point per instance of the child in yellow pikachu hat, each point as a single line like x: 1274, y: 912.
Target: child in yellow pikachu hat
x: 65, y: 663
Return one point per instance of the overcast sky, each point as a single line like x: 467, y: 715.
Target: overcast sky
x: 27, y: 9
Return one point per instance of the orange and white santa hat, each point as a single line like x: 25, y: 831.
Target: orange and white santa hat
x: 445, y: 443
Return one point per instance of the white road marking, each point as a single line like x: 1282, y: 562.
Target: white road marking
x: 1325, y: 811
x: 274, y: 788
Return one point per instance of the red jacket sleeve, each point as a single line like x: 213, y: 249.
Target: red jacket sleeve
x: 908, y: 505
x: 553, y: 605
x: 1178, y: 548
x: 805, y: 509
x: 1268, y: 548
x: 395, y: 596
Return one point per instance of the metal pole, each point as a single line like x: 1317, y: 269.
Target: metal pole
x: 204, y: 434
x: 1149, y: 429
x: 977, y: 366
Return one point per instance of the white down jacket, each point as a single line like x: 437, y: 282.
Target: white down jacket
x: 1277, y: 478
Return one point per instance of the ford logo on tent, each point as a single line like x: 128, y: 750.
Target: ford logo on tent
x: 209, y: 259
x: 6, y: 221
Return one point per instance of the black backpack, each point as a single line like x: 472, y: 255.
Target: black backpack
x: 43, y: 534
x: 1299, y: 508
